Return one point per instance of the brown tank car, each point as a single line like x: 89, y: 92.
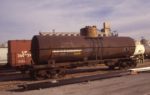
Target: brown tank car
x: 76, y: 48
x: 51, y: 54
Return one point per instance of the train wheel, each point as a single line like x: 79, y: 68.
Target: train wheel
x: 54, y: 74
x: 129, y: 63
x: 41, y: 74
x: 57, y: 73
x: 45, y: 74
x: 62, y: 72
x: 38, y: 75
x: 112, y: 67
x: 48, y: 74
x: 51, y: 74
x: 123, y: 65
x: 133, y: 64
x: 23, y: 72
x: 32, y: 74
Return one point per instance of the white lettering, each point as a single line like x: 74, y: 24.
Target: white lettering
x: 24, y: 54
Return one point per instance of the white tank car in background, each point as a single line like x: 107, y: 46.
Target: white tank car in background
x: 146, y: 44
x: 139, y: 51
x: 3, y: 55
x: 147, y: 51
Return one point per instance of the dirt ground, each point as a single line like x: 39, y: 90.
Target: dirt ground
x: 127, y: 85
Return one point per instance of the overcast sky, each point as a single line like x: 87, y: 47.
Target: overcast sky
x: 21, y: 19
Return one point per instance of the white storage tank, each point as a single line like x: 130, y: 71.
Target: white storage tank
x: 3, y: 55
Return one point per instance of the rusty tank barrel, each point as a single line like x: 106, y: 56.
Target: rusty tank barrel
x: 78, y: 48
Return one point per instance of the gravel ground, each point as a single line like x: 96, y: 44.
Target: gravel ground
x: 128, y: 85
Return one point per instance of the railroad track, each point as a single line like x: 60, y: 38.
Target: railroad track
x: 73, y: 75
x: 11, y: 80
x: 4, y: 70
x: 55, y: 83
x: 86, y: 78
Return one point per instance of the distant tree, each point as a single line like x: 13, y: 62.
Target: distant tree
x: 3, y: 45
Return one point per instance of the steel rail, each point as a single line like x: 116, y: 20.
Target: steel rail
x: 56, y: 83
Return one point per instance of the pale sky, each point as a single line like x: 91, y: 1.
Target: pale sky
x: 21, y: 19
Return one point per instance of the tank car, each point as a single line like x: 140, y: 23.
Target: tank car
x: 139, y: 52
x: 3, y: 56
x: 52, y: 54
x: 147, y: 51
x: 147, y: 47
